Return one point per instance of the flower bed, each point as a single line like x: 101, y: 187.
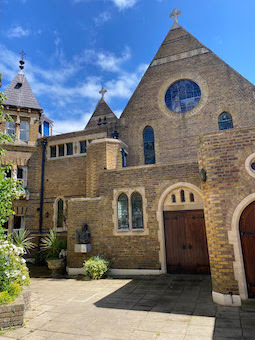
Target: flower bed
x: 13, y: 275
x: 12, y: 315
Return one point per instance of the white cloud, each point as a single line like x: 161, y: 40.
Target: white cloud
x: 64, y: 93
x: 102, y: 18
x: 109, y: 62
x: 17, y: 32
x: 65, y: 126
x: 123, y: 4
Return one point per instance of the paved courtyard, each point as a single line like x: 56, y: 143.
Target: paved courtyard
x: 166, y: 307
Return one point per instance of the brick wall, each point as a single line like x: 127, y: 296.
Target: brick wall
x: 223, y: 89
x: 223, y: 156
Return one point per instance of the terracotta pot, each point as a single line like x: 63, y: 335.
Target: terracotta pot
x: 56, y: 266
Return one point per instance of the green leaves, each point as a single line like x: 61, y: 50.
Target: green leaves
x: 21, y: 239
x: 52, y: 244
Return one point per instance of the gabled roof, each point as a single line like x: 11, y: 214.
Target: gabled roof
x: 102, y: 115
x: 20, y: 94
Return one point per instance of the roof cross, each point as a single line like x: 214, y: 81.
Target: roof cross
x: 21, y: 66
x: 175, y: 15
x: 103, y: 92
x: 22, y: 54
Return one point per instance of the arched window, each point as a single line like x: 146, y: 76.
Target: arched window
x: 225, y: 121
x: 24, y: 131
x: 182, y: 196
x: 192, y: 198
x: 173, y: 199
x: 137, y: 211
x: 10, y: 128
x: 148, y: 144
x: 123, y: 212
x: 60, y: 213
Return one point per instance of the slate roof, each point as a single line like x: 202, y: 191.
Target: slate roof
x: 103, y: 112
x: 20, y: 94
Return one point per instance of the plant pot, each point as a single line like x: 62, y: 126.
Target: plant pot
x: 56, y: 266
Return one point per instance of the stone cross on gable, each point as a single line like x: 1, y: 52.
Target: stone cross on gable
x: 175, y: 15
x: 103, y: 92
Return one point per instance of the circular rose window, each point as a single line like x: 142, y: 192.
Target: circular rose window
x: 182, y: 96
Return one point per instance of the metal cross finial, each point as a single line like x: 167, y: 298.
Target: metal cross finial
x: 103, y: 92
x: 21, y: 66
x: 175, y: 15
x: 22, y: 54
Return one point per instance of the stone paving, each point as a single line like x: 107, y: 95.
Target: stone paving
x: 165, y: 307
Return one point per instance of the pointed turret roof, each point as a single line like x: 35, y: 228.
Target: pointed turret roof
x: 102, y: 115
x: 20, y: 94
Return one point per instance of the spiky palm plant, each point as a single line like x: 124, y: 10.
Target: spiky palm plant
x: 22, y: 239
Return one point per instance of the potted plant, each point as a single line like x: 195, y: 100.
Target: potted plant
x: 55, y: 248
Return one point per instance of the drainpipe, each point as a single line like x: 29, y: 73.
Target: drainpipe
x: 44, y: 143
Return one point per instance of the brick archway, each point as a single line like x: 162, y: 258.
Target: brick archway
x: 234, y: 239
x: 160, y: 218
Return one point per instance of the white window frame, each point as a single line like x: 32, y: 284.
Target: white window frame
x: 24, y: 131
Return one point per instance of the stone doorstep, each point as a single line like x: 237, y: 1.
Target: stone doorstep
x: 13, y: 313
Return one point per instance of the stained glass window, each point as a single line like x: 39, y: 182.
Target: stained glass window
x: 182, y: 96
x: 148, y: 144
x: 137, y: 211
x: 123, y: 212
x: 225, y: 121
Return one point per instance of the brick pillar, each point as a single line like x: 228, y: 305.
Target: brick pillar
x: 102, y: 154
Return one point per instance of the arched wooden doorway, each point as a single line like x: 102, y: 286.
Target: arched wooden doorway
x: 247, y: 235
x: 185, y: 234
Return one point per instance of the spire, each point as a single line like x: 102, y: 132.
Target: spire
x: 19, y: 92
x: 21, y: 62
x: 103, y: 115
x: 175, y: 14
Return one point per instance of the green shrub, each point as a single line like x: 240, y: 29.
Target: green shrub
x: 10, y: 294
x: 96, y: 267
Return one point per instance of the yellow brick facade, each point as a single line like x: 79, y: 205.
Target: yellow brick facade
x: 90, y: 183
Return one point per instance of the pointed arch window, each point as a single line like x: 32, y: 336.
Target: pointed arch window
x: 225, y: 121
x: 123, y: 212
x: 60, y: 213
x: 137, y: 211
x: 148, y: 144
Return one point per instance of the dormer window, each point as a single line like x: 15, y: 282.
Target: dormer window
x: 18, y: 86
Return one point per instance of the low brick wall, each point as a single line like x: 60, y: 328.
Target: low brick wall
x: 12, y: 315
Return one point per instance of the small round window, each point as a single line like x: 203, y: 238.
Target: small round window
x: 182, y: 96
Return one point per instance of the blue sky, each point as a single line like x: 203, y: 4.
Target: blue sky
x: 74, y: 47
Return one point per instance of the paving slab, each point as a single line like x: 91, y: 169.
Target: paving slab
x: 168, y: 307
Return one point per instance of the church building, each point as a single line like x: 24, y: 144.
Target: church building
x: 169, y: 187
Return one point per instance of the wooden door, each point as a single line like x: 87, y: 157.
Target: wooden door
x: 247, y: 234
x: 186, y: 243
